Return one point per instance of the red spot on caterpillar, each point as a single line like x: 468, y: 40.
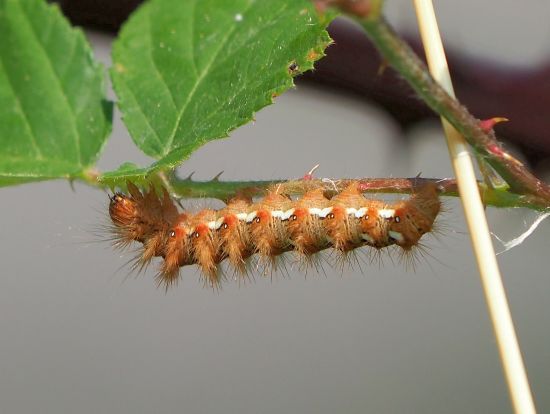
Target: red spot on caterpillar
x: 270, y: 227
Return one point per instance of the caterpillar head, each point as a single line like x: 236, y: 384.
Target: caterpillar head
x: 122, y: 209
x: 127, y: 226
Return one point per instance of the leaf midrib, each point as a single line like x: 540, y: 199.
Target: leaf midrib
x: 27, y: 123
x: 199, y: 80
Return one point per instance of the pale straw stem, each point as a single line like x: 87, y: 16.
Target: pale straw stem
x: 510, y: 354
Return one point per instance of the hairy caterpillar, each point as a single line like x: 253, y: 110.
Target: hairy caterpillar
x: 267, y: 228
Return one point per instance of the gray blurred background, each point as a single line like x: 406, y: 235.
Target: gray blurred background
x: 79, y: 336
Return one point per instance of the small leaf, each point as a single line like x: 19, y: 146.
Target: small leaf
x: 54, y: 118
x: 125, y: 172
x: 188, y: 72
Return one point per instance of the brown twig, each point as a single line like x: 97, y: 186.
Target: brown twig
x: 412, y: 68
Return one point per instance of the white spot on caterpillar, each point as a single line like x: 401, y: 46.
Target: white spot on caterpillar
x: 356, y: 212
x: 277, y: 214
x: 397, y: 236
x: 367, y: 238
x: 250, y: 217
x: 219, y: 222
x: 325, y: 212
x: 287, y: 214
x: 241, y: 216
x: 314, y: 211
x: 238, y: 17
x: 386, y: 213
x: 212, y: 225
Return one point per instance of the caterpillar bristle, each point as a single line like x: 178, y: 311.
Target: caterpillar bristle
x: 253, y: 237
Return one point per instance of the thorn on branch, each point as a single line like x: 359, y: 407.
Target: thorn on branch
x: 309, y: 176
x: 488, y: 124
x: 217, y: 177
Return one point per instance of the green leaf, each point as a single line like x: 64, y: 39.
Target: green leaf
x: 126, y: 172
x: 188, y: 72
x: 54, y: 118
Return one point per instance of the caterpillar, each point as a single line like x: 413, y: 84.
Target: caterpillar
x: 266, y: 228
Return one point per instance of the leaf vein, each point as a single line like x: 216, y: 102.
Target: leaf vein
x: 142, y: 111
x: 155, y: 66
x: 192, y: 39
x: 199, y: 80
x: 28, y: 125
x: 59, y: 84
x: 70, y: 58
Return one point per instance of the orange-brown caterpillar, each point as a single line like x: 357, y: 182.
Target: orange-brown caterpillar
x: 268, y: 228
